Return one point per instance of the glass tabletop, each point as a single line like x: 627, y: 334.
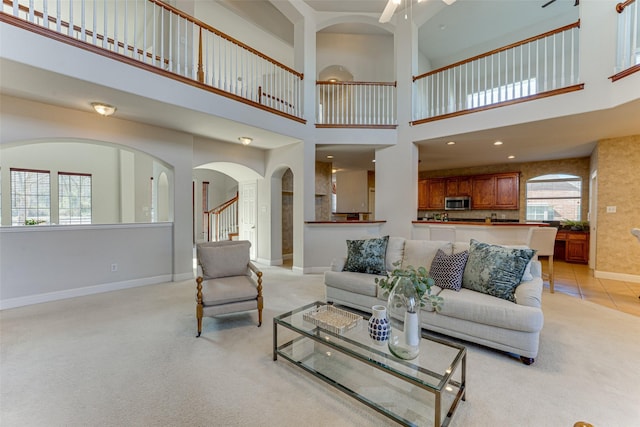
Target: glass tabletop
x: 432, y: 369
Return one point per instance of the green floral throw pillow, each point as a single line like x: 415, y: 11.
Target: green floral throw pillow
x: 495, y: 270
x: 366, y: 256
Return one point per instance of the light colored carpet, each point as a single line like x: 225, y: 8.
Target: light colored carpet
x: 130, y: 358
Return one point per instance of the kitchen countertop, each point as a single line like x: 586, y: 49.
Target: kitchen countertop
x: 484, y: 224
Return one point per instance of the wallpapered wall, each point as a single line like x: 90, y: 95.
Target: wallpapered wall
x: 618, y: 184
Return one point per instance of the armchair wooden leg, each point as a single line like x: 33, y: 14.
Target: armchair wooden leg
x: 260, y: 303
x: 199, y: 310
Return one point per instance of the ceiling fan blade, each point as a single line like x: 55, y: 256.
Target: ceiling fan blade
x: 388, y: 11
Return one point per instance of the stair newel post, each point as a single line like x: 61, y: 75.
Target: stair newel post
x: 200, y: 68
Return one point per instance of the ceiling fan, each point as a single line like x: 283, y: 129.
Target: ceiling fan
x: 551, y: 1
x: 392, y: 5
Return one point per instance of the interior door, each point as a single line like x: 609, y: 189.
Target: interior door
x: 248, y: 214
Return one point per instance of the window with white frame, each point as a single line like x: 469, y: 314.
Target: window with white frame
x: 554, y: 197
x: 30, y: 197
x: 502, y: 93
x: 74, y: 198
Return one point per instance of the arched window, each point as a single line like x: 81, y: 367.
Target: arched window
x: 554, y: 197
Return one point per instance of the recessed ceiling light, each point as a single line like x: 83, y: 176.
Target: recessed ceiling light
x: 373, y: 161
x: 451, y: 143
x: 245, y: 140
x: 511, y: 157
x: 334, y: 170
x: 329, y: 157
x: 497, y: 143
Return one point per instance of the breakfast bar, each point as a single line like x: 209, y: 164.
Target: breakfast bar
x: 506, y: 233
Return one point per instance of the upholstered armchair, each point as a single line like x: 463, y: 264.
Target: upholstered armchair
x: 227, y: 282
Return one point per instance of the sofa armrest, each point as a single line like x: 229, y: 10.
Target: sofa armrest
x: 338, y: 264
x: 529, y: 293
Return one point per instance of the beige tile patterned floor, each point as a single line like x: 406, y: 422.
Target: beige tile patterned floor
x: 577, y: 280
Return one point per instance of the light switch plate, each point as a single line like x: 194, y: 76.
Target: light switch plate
x: 611, y: 209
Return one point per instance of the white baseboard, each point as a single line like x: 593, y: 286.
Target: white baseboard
x: 617, y: 276
x: 183, y: 276
x: 269, y: 262
x: 79, y: 292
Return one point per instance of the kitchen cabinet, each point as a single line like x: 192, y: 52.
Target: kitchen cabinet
x: 458, y: 186
x: 431, y: 193
x: 496, y: 191
x: 572, y: 246
x: 507, y: 191
x: 488, y: 192
x: 483, y: 192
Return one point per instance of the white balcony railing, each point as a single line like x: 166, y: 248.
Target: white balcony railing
x: 628, y: 43
x: 530, y: 68
x: 355, y: 104
x: 157, y: 34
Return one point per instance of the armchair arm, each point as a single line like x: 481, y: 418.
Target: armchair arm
x: 258, y: 273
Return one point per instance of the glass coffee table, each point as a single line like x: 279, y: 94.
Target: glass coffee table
x: 422, y: 391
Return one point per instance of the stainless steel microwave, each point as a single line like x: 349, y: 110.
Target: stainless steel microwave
x: 462, y: 203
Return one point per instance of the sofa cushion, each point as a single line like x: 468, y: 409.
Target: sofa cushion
x: 367, y: 256
x: 224, y: 260
x: 395, y: 252
x: 495, y: 270
x: 481, y: 308
x: 447, y: 270
x: 358, y: 283
x: 420, y: 253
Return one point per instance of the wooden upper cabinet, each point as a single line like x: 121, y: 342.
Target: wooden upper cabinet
x: 507, y: 191
x: 423, y: 194
x: 431, y: 193
x: 488, y: 192
x: 458, y: 186
x: 483, y: 192
x: 496, y: 191
x: 436, y: 193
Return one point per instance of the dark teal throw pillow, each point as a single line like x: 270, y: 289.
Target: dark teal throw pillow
x: 495, y: 270
x: 367, y: 256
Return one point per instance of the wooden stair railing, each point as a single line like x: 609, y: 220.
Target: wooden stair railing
x: 223, y: 219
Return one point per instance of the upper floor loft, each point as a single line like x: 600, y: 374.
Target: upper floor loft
x: 573, y: 61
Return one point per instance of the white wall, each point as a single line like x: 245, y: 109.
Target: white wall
x: 28, y: 121
x: 46, y: 263
x: 365, y: 56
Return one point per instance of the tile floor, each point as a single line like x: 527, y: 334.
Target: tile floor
x: 577, y: 280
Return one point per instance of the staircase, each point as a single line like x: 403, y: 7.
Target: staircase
x: 222, y: 221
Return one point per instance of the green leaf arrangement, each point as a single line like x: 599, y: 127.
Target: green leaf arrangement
x: 420, y: 279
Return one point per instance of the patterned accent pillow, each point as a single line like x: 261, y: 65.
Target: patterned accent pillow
x: 366, y: 256
x: 495, y: 270
x: 447, y: 270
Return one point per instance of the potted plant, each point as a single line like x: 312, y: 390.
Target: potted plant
x: 407, y: 290
x: 420, y: 280
x: 572, y: 225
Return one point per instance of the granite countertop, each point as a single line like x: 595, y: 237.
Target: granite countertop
x: 485, y: 224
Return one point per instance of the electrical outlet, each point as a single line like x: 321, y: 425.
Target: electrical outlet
x: 611, y: 209
x: 114, y: 267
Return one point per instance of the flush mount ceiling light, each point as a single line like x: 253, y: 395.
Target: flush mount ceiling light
x: 103, y: 109
x: 245, y: 140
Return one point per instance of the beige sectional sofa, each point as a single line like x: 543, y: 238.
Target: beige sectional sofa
x: 513, y: 327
